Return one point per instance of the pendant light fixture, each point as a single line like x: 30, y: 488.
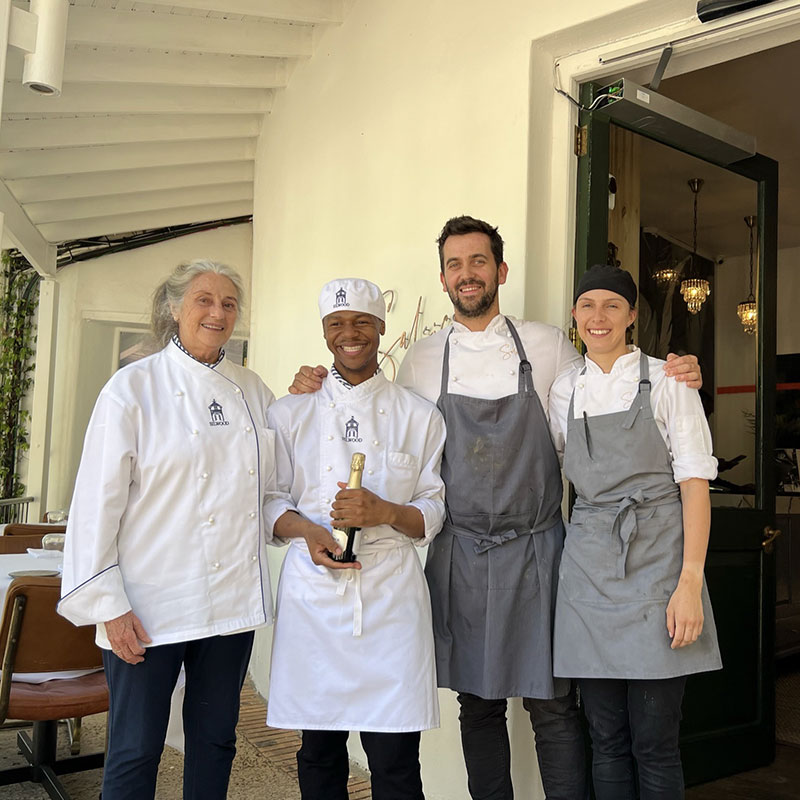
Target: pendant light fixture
x: 666, y: 276
x: 695, y: 290
x: 747, y: 309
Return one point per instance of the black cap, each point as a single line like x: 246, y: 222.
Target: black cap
x: 604, y: 276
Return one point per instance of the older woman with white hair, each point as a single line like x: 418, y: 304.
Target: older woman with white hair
x: 165, y: 547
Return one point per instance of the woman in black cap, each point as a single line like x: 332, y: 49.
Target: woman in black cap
x: 633, y: 617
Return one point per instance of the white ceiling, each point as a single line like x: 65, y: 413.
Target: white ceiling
x: 162, y: 104
x: 754, y: 95
x: 157, y: 122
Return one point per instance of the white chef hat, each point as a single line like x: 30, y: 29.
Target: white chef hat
x: 352, y: 294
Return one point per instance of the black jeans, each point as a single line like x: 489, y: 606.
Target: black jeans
x: 559, y: 747
x: 139, y: 707
x: 635, y: 723
x: 323, y: 765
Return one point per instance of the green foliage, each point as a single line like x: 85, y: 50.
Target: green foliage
x: 19, y: 285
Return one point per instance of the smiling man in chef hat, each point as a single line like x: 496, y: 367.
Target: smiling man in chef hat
x: 353, y: 647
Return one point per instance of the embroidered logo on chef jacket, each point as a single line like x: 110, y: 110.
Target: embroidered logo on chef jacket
x: 217, y: 417
x: 341, y: 299
x: 351, y: 431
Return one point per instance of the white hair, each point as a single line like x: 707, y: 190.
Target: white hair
x: 168, y: 297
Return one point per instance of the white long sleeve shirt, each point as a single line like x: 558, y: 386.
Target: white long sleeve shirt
x: 166, y: 519
x: 485, y: 363
x: 677, y: 409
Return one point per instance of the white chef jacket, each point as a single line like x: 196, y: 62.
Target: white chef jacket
x: 353, y: 649
x: 485, y: 363
x: 167, y: 515
x: 677, y: 409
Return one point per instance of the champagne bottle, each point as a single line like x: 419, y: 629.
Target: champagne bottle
x: 346, y: 538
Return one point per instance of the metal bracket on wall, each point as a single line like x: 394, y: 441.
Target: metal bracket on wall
x: 661, y: 67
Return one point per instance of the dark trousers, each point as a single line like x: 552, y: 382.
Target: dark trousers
x: 559, y: 747
x: 323, y: 765
x: 139, y: 697
x: 635, y: 723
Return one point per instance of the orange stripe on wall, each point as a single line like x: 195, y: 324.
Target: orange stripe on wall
x: 782, y: 387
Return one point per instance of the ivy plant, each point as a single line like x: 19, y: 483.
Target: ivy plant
x: 19, y: 284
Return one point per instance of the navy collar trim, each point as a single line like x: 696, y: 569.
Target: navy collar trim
x: 177, y: 342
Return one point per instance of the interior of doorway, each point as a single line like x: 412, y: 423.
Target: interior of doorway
x: 749, y: 93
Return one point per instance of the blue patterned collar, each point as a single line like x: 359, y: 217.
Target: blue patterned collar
x: 338, y: 375
x: 177, y: 342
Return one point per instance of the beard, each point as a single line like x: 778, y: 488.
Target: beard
x: 477, y: 307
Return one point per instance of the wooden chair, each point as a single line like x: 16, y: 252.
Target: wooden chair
x: 19, y: 544
x: 34, y: 638
x: 32, y: 529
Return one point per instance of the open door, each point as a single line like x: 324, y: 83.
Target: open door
x: 728, y: 716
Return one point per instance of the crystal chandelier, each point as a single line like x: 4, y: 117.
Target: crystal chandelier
x: 695, y: 290
x: 747, y: 309
x: 666, y: 276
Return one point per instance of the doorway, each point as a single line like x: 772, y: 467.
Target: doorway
x: 748, y: 93
x: 652, y: 230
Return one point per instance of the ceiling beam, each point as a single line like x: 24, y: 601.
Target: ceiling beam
x: 61, y: 132
x: 19, y: 229
x: 125, y: 223
x: 84, y: 64
x: 146, y: 30
x: 37, y: 163
x: 112, y: 204
x: 313, y: 11
x: 102, y: 184
x: 104, y: 98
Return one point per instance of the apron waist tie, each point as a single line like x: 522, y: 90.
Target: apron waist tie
x: 346, y: 577
x: 352, y: 576
x: 625, y: 526
x: 484, y: 542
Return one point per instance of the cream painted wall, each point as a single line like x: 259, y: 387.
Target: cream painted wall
x: 95, y: 297
x: 407, y: 114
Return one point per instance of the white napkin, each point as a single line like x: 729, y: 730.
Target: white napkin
x: 42, y: 553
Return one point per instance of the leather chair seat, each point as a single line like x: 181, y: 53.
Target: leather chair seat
x: 59, y: 699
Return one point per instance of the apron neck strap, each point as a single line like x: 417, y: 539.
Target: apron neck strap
x: 446, y: 364
x: 525, y: 382
x: 642, y: 400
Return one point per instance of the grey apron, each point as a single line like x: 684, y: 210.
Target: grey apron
x: 624, y: 552
x: 492, y: 583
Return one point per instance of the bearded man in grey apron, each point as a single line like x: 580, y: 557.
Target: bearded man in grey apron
x: 633, y: 616
x: 493, y: 571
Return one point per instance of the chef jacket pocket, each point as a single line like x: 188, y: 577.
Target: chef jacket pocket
x: 400, y: 480
x: 402, y: 460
